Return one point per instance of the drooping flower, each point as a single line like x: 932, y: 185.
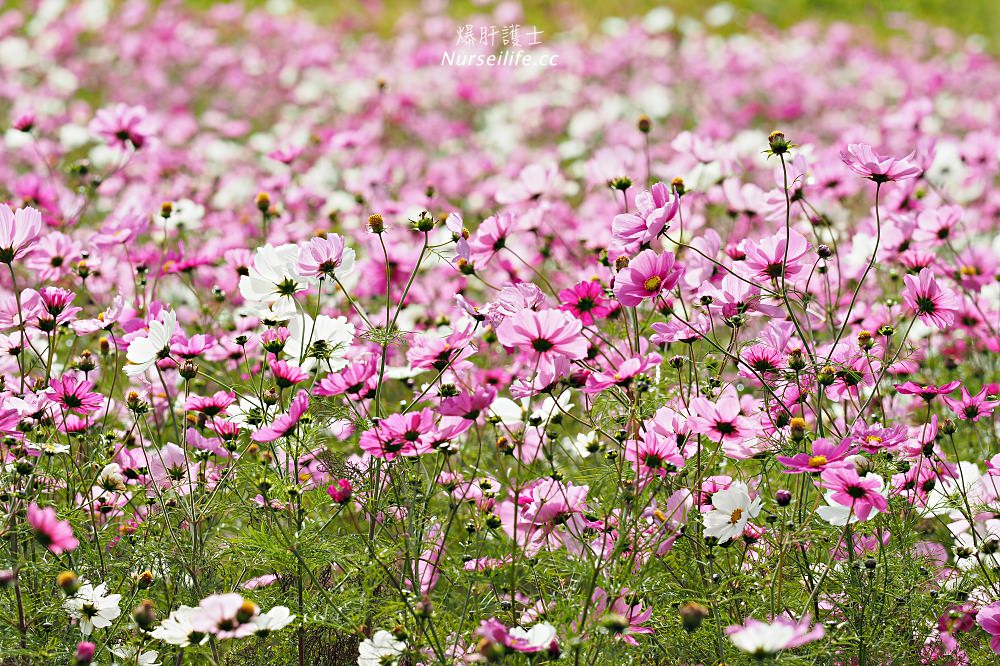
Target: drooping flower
x: 284, y: 425
x: 928, y: 392
x: 326, y: 258
x: 864, y: 161
x: 762, y: 639
x: 274, y: 275
x: 143, y: 352
x: 18, y: 232
x: 654, y: 209
x: 54, y: 534
x: 323, y: 341
x: 646, y: 276
x: 933, y: 304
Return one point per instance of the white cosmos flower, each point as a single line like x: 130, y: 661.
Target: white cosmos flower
x: 93, y: 607
x: 143, y: 352
x: 326, y: 337
x: 732, y: 508
x: 382, y: 649
x: 178, y: 628
x: 273, y: 620
x: 128, y: 657
x: 273, y: 274
x: 539, y: 636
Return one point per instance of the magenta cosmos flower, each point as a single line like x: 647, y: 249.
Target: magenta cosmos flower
x: 544, y: 335
x: 646, y: 276
x: 934, y: 305
x: 586, y: 300
x: 861, y: 494
x: 971, y: 407
x: 989, y: 619
x: 54, y: 534
x: 864, y: 161
x: 928, y: 392
x: 75, y: 395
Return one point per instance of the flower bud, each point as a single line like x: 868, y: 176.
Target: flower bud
x: 188, y: 369
x: 341, y: 492
x: 783, y: 497
x: 797, y: 428
x: 865, y: 340
x: 621, y: 263
x: 263, y: 202
x: 644, y: 124
x: 144, y: 615
x: 68, y: 582
x: 144, y: 580
x: 692, y: 613
x: 824, y: 252
x: 777, y: 142
x: 85, y: 651
x: 949, y: 427
x: 677, y: 185
x: 247, y: 611
x: 376, y: 224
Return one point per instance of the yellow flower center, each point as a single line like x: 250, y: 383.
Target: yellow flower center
x: 817, y: 461
x: 653, y: 283
x: 735, y: 516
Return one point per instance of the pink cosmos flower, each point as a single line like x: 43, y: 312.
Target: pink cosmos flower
x: 225, y: 616
x: 54, y: 534
x: 490, y: 238
x: 654, y: 454
x: 646, y: 276
x: 762, y: 639
x: 623, y: 374
x: 357, y: 379
x: 721, y: 421
x: 861, y: 493
x: 972, y: 407
x: 824, y: 454
x: 544, y: 335
x: 468, y: 404
x: 75, y: 395
x: 284, y: 425
x: 586, y: 300
x: 766, y: 260
x: 121, y: 125
x: 865, y: 162
x: 934, y: 305
x: 286, y: 375
x: 326, y: 257
x: 655, y: 209
x: 18, y: 232
x: 989, y: 619
x: 627, y: 606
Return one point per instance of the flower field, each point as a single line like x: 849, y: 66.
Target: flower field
x: 491, y: 343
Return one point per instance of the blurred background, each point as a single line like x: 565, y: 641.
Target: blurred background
x: 978, y: 18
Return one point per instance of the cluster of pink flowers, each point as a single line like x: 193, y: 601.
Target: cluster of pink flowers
x: 578, y: 362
